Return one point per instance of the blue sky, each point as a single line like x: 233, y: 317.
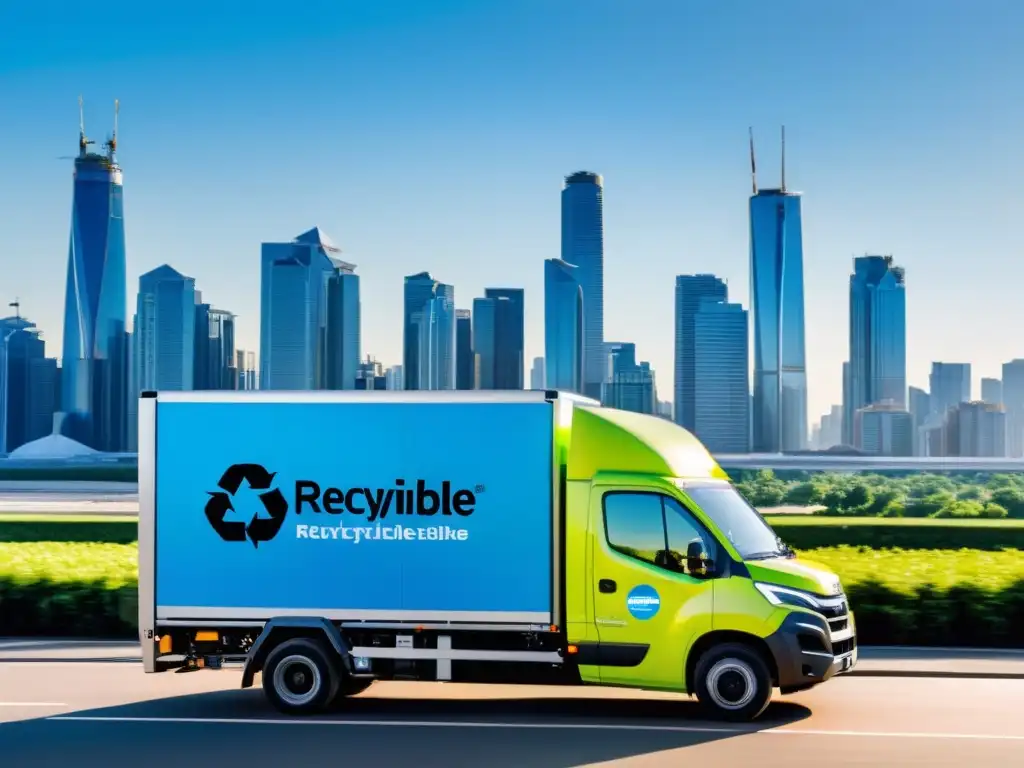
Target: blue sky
x: 435, y: 135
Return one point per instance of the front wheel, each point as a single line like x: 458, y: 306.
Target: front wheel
x: 733, y: 682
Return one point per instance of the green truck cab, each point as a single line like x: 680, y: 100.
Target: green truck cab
x: 675, y: 582
x: 537, y: 538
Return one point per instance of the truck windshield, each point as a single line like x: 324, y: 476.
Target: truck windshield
x: 748, y: 532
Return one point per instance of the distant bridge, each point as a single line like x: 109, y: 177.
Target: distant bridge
x: 825, y: 463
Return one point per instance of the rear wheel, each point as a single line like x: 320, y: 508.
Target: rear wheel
x: 300, y: 676
x: 733, y: 682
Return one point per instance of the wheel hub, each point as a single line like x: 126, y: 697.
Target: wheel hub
x: 731, y: 684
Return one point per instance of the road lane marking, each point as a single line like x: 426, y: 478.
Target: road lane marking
x: 777, y: 731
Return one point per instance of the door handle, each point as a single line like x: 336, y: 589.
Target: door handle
x: 607, y: 586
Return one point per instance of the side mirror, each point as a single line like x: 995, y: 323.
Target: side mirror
x: 698, y: 562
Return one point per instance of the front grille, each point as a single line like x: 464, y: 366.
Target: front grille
x: 834, y: 609
x: 836, y: 612
x: 843, y: 647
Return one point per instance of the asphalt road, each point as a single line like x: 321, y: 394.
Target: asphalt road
x: 108, y: 713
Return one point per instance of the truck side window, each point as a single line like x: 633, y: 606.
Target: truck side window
x: 634, y: 524
x: 682, y: 529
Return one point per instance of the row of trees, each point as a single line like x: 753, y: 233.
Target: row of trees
x: 887, y: 495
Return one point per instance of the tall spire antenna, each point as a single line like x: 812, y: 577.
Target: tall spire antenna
x: 17, y: 308
x: 112, y: 142
x: 783, y: 158
x: 753, y: 165
x: 82, y: 141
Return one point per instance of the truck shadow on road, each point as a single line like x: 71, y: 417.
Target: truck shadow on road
x: 542, y: 732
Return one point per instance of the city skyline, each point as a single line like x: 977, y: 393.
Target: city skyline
x: 674, y: 176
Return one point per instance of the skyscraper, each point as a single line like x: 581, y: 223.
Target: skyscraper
x: 429, y: 350
x: 485, y: 342
x: 94, y: 366
x: 563, y: 327
x: 992, y: 391
x: 975, y: 429
x: 245, y: 365
x: 919, y: 405
x: 294, y: 315
x: 884, y: 428
x: 1013, y: 401
x: 950, y: 385
x: 464, y: 368
x: 691, y: 290
x: 215, y: 364
x: 342, y: 355
x: 721, y: 376
x: 583, y: 247
x: 510, y: 332
x: 777, y: 304
x: 878, y: 337
x: 165, y: 330
x: 537, y: 373
x: 629, y: 385
x: 28, y: 384
x: 435, y: 329
x: 370, y: 375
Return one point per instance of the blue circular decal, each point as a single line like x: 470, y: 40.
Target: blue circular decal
x: 643, y: 602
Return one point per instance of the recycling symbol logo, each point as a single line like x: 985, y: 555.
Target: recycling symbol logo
x: 259, y: 528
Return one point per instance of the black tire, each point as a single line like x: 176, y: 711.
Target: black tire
x: 733, y: 682
x: 300, y: 676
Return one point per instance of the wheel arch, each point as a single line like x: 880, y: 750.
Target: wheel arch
x: 278, y: 630
x: 718, y: 637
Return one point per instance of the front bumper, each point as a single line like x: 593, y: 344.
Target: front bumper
x: 807, y: 652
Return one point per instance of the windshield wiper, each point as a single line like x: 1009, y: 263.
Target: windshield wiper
x: 785, y: 550
x: 764, y: 555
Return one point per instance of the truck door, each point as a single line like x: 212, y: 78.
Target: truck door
x: 648, y: 609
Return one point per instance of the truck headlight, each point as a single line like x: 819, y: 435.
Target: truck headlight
x: 777, y: 595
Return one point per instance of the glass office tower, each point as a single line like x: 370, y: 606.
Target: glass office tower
x: 777, y: 305
x: 344, y: 311
x: 691, y: 292
x: 426, y: 321
x: 583, y: 247
x: 563, y: 327
x: 485, y: 341
x: 28, y: 384
x: 878, y: 338
x: 94, y: 368
x: 509, y: 337
x: 165, y: 330
x: 295, y: 312
x: 463, y: 349
x: 721, y: 393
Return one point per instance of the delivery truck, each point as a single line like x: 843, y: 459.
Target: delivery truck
x: 326, y: 540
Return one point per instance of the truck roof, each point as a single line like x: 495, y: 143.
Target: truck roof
x: 610, y: 440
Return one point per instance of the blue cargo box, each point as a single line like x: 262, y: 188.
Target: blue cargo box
x: 396, y: 506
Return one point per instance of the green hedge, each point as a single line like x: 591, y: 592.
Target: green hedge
x: 961, y: 616
x: 62, y: 609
